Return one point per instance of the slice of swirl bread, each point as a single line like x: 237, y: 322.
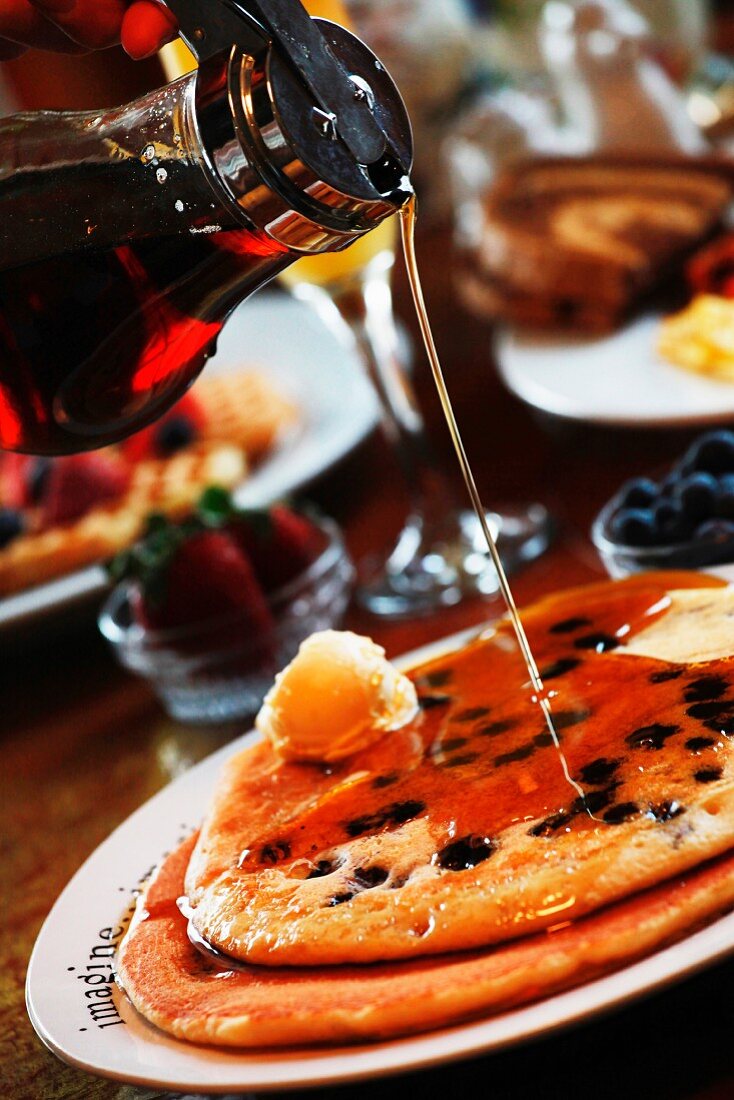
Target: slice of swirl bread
x: 580, y: 237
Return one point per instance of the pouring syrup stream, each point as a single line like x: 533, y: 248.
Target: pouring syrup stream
x: 408, y: 218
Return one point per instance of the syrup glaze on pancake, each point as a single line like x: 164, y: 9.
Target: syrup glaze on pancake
x: 462, y: 829
x: 179, y: 990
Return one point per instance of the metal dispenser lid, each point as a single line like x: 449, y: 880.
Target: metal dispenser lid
x: 319, y: 144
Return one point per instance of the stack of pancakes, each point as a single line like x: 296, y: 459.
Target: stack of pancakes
x: 473, y: 860
x: 577, y: 243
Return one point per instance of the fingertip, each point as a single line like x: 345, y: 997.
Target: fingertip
x: 146, y: 26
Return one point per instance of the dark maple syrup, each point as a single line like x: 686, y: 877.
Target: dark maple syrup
x: 646, y: 740
x: 639, y: 736
x: 409, y: 213
x: 97, y: 344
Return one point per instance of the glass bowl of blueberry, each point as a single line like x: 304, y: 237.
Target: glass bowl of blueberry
x: 683, y: 520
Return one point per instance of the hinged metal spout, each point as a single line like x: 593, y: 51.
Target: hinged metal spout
x: 219, y: 25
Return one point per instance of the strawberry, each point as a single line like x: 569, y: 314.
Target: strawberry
x: 711, y: 271
x: 189, y: 575
x: 207, y: 577
x: 280, y: 545
x: 78, y: 483
x: 215, y: 568
x: 13, y: 480
x: 177, y: 429
x: 23, y: 480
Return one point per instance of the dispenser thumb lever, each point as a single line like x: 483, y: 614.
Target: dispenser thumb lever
x: 218, y: 25
x: 215, y: 27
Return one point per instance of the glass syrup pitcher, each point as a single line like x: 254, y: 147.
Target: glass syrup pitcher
x: 127, y: 236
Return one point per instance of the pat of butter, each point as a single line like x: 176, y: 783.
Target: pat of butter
x: 337, y: 696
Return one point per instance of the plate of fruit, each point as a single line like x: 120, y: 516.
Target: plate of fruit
x: 284, y: 398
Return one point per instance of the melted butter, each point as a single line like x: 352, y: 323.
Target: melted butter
x: 337, y: 695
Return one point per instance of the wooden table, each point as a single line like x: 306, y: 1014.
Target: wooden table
x: 83, y: 745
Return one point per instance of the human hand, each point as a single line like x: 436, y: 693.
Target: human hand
x: 77, y: 26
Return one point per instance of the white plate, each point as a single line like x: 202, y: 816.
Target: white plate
x: 616, y: 380
x: 317, y: 365
x: 123, y: 1046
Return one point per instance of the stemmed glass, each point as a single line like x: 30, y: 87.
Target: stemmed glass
x: 440, y: 554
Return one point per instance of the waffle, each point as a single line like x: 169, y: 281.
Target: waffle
x: 244, y: 409
x: 170, y: 485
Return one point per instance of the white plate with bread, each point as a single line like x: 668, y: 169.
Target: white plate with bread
x: 618, y: 380
x: 575, y: 257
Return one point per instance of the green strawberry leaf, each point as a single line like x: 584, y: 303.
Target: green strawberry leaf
x: 147, y: 562
x: 215, y: 506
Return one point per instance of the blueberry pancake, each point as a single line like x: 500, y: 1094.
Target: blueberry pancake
x: 470, y: 825
x: 204, y: 1001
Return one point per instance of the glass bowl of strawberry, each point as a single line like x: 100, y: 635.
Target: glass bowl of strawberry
x: 211, y: 608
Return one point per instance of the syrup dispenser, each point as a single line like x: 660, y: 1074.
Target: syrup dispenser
x: 127, y: 236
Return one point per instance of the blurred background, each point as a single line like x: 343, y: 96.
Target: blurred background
x: 446, y: 56
x: 487, y: 83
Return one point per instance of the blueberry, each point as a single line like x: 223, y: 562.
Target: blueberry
x: 715, y: 530
x: 638, y: 493
x: 633, y: 527
x: 664, y: 511
x: 668, y: 484
x: 37, y: 479
x: 698, y: 494
x: 712, y: 453
x: 174, y: 434
x: 11, y: 525
x: 671, y: 522
x: 725, y: 502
